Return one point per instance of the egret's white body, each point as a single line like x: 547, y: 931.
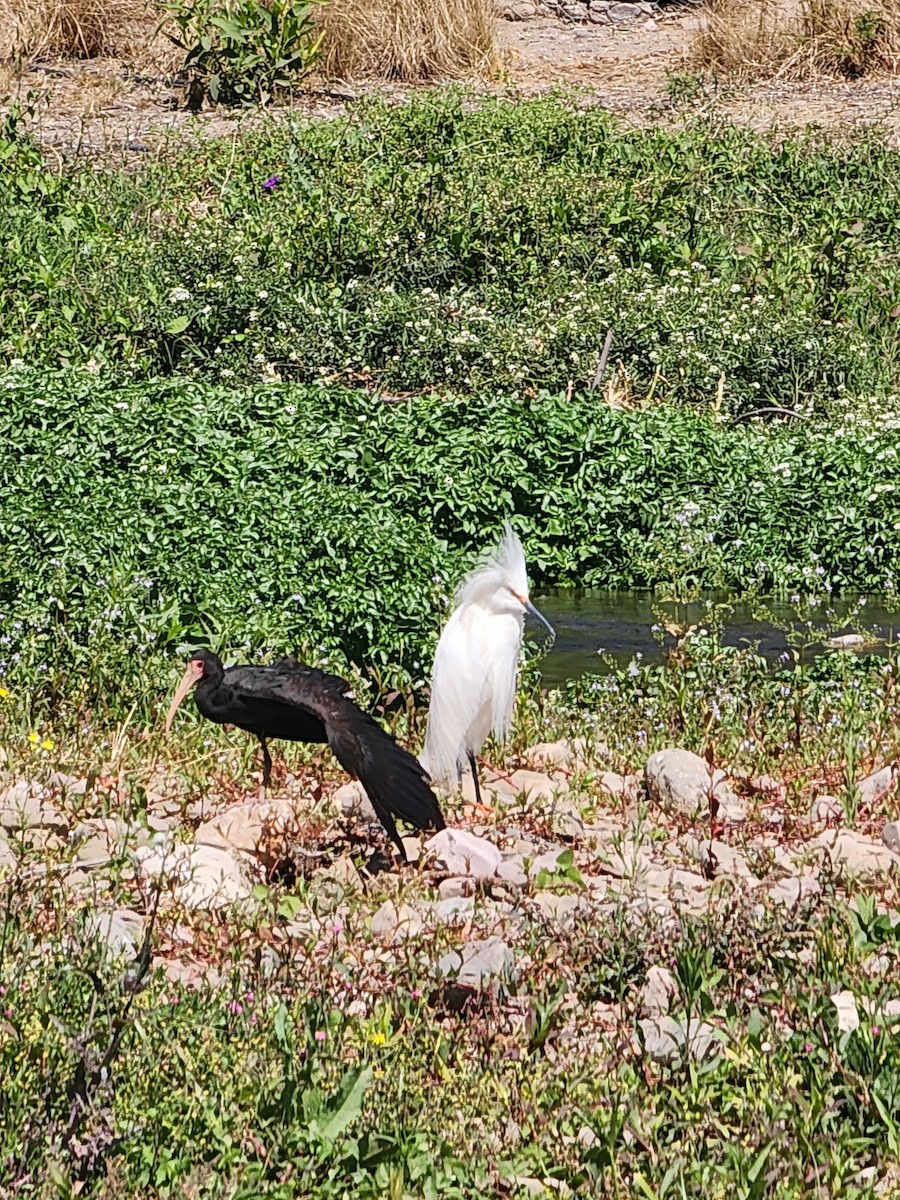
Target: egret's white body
x: 476, y: 664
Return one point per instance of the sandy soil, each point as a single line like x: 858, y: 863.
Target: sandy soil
x: 106, y: 106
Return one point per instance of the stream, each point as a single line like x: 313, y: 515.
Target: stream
x: 588, y: 620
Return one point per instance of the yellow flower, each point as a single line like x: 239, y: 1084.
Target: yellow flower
x: 4, y: 692
x: 377, y: 1039
x: 47, y: 744
x: 33, y: 738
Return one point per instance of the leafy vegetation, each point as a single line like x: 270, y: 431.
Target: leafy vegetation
x: 244, y: 52
x: 316, y: 518
x: 442, y: 244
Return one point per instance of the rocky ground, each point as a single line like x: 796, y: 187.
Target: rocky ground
x: 566, y: 839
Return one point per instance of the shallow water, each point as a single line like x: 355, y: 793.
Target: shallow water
x: 587, y: 620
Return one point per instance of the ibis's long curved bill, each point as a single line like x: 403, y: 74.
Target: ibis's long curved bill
x: 529, y: 607
x: 192, y: 675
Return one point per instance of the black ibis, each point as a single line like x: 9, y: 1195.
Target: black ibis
x: 303, y: 704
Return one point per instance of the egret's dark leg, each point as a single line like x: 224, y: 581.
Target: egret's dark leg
x: 267, y: 768
x: 474, y: 766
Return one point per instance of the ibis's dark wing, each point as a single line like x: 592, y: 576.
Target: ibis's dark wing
x: 394, y: 780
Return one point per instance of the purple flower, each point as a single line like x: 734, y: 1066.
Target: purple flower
x: 235, y: 1007
x: 320, y: 1035
x: 271, y: 183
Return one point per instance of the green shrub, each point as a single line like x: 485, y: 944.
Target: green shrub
x: 244, y: 52
x: 146, y: 517
x: 441, y: 244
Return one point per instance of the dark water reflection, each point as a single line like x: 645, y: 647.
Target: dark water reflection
x: 620, y: 622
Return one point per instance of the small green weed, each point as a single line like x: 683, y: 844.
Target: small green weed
x: 244, y: 52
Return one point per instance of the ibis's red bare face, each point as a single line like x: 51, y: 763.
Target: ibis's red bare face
x: 192, y: 676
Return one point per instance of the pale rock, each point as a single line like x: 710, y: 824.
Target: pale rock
x: 99, y: 840
x: 876, y: 965
x: 847, y: 1013
x: 890, y: 835
x: 547, y: 756
x: 42, y: 838
x: 477, y: 964
x: 679, y: 782
x: 351, y: 800
x: 854, y: 854
x: 620, y: 863
x: 79, y: 881
x: 456, y: 886
x: 530, y: 785
x: 412, y: 848
x: 164, y: 791
x: 263, y: 830
x: 22, y: 806
x: 120, y: 929
x: 455, y: 910
x: 826, y: 808
x: 845, y: 641
x: 766, y: 785
x: 512, y: 871
x: 681, y: 886
x: 614, y: 784
x: 659, y: 990
x: 623, y: 12
x: 634, y: 788
x: 525, y: 847
x: 7, y: 858
x: 530, y: 1186
x: 201, y: 877
x: 566, y: 821
x: 792, y: 892
x: 69, y: 784
x: 873, y: 787
x: 717, y: 858
x: 459, y: 852
x: 392, y: 922
x: 331, y: 886
x: 665, y: 1039
x: 93, y: 852
x: 548, y: 861
x: 730, y: 861
x: 516, y: 10
x: 560, y: 907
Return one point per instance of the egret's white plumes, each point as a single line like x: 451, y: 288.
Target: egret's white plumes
x: 473, y: 682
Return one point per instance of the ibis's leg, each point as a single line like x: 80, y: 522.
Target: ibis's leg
x: 267, y: 768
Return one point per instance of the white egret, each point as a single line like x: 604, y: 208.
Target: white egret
x: 473, y: 681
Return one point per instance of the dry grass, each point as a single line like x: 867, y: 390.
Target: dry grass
x: 32, y: 30
x: 800, y: 39
x: 408, y: 40
x: 744, y: 38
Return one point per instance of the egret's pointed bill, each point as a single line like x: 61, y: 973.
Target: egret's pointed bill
x: 529, y: 607
x: 192, y: 675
